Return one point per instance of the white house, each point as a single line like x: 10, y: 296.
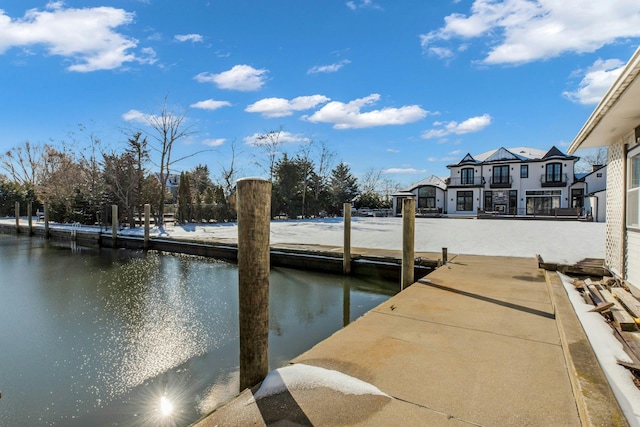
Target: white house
x: 515, y: 181
x: 589, y: 192
x: 615, y: 123
x: 430, y: 194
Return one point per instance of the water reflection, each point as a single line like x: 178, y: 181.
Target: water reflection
x: 103, y: 337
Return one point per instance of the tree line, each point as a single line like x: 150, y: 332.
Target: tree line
x: 80, y: 182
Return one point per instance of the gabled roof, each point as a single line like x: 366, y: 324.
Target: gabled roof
x: 502, y: 154
x: 554, y: 153
x: 466, y: 160
x: 432, y: 180
x: 521, y: 153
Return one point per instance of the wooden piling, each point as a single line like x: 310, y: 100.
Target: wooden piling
x: 147, y: 215
x: 30, y: 216
x: 444, y: 255
x: 17, y: 217
x: 46, y: 220
x: 408, y: 241
x: 346, y: 252
x: 114, y: 225
x: 254, y: 209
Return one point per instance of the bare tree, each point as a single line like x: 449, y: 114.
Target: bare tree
x: 370, y: 182
x: 594, y: 157
x: 324, y: 165
x: 229, y: 174
x: 24, y: 164
x: 270, y: 144
x: 169, y: 126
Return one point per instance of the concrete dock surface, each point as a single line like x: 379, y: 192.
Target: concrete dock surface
x: 484, y: 341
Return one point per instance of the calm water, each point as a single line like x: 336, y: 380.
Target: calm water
x: 102, y: 337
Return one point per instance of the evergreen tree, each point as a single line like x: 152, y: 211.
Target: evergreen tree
x: 343, y: 187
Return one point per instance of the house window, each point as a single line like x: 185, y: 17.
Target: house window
x: 633, y: 193
x: 488, y: 201
x: 501, y: 174
x: 426, y: 198
x: 464, y: 201
x: 554, y: 172
x: 467, y: 176
x: 543, y: 202
x: 524, y: 171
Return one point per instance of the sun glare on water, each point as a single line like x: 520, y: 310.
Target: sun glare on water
x: 166, y: 407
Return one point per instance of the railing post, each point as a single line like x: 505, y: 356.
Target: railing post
x: 114, y: 225
x: 147, y: 215
x: 346, y: 252
x: 408, y: 241
x: 254, y: 215
x: 17, y: 217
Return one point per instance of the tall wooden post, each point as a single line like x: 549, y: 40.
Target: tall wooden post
x: 30, y: 216
x: 408, y: 241
x: 254, y: 209
x: 346, y: 302
x: 114, y: 225
x: 346, y: 252
x: 17, y: 217
x: 445, y: 257
x: 46, y: 220
x: 147, y: 215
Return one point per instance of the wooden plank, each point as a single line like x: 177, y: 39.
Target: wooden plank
x: 596, y: 296
x: 628, y: 301
x: 620, y: 316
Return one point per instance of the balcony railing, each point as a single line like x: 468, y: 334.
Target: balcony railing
x: 465, y: 182
x: 554, y: 180
x: 501, y: 182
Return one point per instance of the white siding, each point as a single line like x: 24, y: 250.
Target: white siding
x: 633, y: 256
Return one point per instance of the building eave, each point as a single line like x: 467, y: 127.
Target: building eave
x: 616, y: 113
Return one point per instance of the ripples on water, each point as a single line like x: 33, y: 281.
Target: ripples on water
x: 102, y: 337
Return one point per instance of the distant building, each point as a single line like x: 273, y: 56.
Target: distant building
x: 517, y: 181
x: 430, y: 195
x: 615, y: 123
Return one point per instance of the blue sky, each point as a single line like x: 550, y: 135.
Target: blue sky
x: 405, y: 87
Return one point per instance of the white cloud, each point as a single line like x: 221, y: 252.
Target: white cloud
x: 520, y: 31
x: 188, y: 38
x: 135, y: 116
x: 210, y: 104
x: 85, y: 36
x: 349, y: 116
x: 363, y: 4
x: 240, y: 77
x: 404, y: 171
x: 214, y: 142
x: 284, y: 137
x: 392, y: 150
x: 280, y: 107
x: 331, y: 68
x: 473, y: 124
x: 596, y: 81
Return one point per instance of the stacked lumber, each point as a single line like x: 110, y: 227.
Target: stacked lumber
x: 612, y: 300
x: 621, y: 309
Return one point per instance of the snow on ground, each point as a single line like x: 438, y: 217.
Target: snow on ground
x: 305, y: 377
x: 563, y: 242
x: 608, y: 350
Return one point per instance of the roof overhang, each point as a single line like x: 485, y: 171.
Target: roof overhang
x: 617, y: 113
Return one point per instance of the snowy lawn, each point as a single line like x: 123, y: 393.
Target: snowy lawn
x: 564, y: 242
